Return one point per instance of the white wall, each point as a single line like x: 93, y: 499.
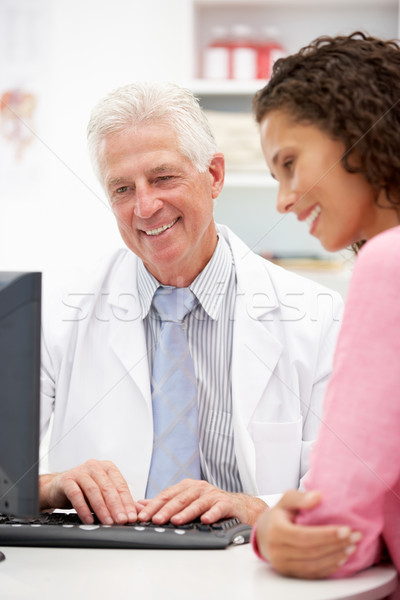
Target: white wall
x: 53, y: 213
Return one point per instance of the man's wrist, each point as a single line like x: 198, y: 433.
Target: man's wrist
x: 254, y: 508
x: 44, y: 497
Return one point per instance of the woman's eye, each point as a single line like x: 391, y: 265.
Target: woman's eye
x: 288, y: 163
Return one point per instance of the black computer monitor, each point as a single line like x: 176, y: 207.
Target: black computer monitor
x: 20, y: 312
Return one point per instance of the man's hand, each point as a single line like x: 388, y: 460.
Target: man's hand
x: 309, y: 552
x: 96, y: 486
x: 190, y: 499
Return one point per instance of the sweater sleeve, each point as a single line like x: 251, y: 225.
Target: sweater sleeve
x: 353, y: 462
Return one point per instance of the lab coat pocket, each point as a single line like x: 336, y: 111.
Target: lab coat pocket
x: 278, y: 455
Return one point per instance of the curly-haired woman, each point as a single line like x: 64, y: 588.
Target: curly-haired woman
x: 330, y: 132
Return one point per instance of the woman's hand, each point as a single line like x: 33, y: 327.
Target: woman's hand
x: 309, y: 552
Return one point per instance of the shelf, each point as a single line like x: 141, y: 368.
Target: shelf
x: 288, y: 3
x: 225, y: 87
x: 297, y: 23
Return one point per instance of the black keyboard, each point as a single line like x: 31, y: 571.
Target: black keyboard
x: 66, y: 530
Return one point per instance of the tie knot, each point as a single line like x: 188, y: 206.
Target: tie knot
x: 173, y: 304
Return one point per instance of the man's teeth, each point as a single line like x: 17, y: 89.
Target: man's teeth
x: 160, y: 229
x: 312, y: 216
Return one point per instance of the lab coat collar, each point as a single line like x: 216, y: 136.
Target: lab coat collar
x: 253, y: 279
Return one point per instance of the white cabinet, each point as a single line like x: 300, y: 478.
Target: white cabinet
x: 247, y: 203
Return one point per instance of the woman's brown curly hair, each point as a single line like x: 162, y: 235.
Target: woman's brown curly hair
x: 349, y: 86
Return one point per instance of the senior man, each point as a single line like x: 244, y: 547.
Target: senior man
x: 259, y: 341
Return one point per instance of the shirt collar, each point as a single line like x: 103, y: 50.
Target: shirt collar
x: 147, y: 285
x: 209, y: 286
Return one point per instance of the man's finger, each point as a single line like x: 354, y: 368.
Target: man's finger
x: 172, y: 500
x: 74, y: 492
x: 177, y: 505
x: 122, y: 488
x: 152, y: 507
x: 219, y: 510
x: 101, y: 493
x: 193, y: 511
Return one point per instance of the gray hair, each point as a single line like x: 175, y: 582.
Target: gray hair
x: 153, y: 102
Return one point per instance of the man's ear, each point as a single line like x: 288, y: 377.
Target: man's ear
x: 217, y: 172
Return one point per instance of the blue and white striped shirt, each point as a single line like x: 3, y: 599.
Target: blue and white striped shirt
x: 210, y: 334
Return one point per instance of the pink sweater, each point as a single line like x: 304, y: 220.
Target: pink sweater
x: 356, y: 460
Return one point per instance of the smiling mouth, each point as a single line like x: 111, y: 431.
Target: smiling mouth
x: 161, y: 229
x: 312, y: 216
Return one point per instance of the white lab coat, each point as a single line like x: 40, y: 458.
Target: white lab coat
x: 95, y: 376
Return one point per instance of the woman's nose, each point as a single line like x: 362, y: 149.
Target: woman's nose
x: 286, y: 200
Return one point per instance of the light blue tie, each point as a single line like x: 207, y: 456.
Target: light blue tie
x: 174, y: 395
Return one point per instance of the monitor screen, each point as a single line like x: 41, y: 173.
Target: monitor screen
x: 20, y: 312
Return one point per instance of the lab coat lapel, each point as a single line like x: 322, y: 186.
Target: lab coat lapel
x: 128, y: 339
x: 256, y: 350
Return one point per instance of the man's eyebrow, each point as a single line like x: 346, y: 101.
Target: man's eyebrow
x: 163, y: 168
x: 116, y: 181
x: 158, y: 170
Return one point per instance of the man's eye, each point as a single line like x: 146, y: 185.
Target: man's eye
x: 122, y: 189
x: 165, y: 178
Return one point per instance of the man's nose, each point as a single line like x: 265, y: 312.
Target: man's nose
x: 147, y: 203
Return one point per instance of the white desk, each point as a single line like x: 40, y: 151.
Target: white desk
x: 232, y: 574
